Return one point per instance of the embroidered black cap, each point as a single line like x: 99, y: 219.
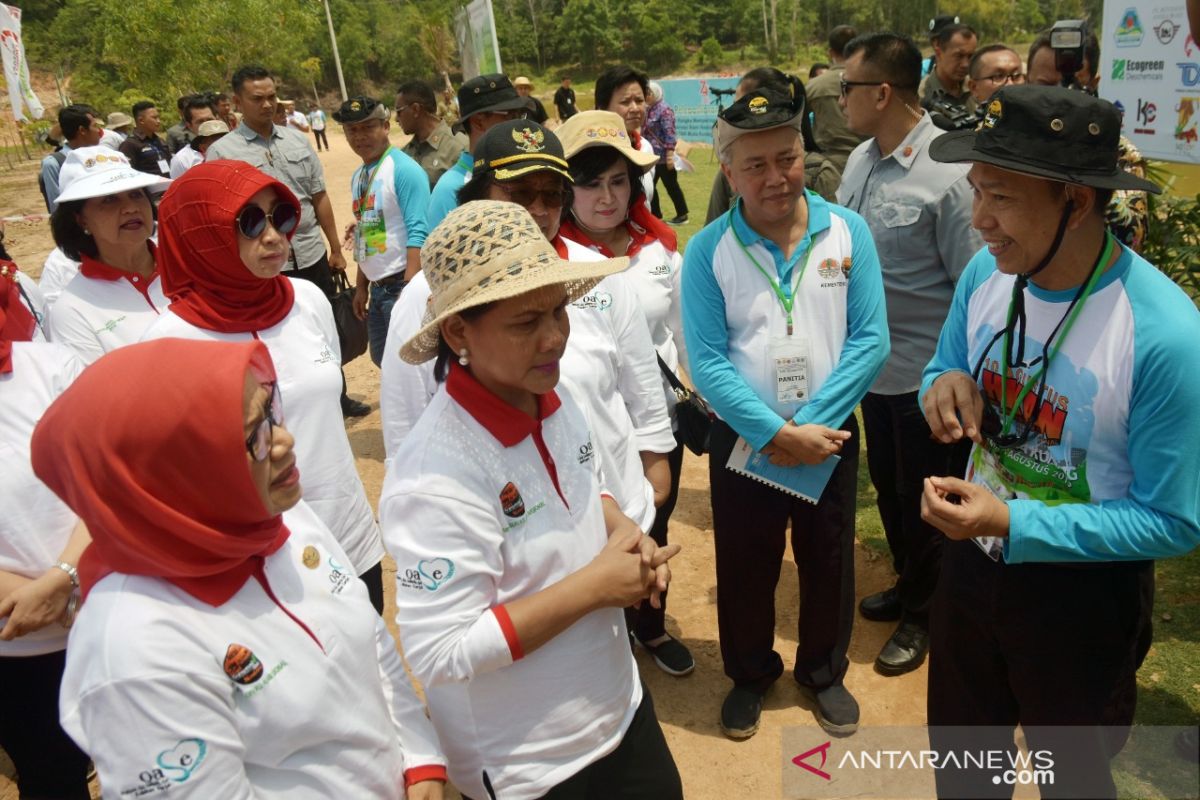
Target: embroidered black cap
x: 762, y: 110
x: 517, y: 147
x: 491, y: 93
x: 1048, y: 132
x: 360, y: 109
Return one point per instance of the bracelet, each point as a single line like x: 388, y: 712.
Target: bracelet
x: 68, y: 617
x: 72, y: 573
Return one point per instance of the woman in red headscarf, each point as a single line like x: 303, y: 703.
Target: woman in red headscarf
x: 220, y: 648
x: 40, y: 544
x: 224, y: 229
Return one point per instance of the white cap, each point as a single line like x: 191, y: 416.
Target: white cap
x: 101, y: 171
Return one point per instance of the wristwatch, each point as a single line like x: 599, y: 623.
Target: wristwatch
x: 72, y: 573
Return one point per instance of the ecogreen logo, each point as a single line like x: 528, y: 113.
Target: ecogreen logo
x: 1118, y: 70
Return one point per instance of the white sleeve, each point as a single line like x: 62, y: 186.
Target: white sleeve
x: 639, y: 379
x: 66, y: 326
x: 418, y: 740
x: 675, y: 313
x: 315, y: 299
x: 57, y: 272
x: 164, y: 731
x: 404, y: 389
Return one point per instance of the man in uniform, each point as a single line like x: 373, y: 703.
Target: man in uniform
x: 833, y: 137
x: 564, y: 100
x: 144, y: 149
x: 433, y: 145
x: 953, y: 47
x: 1067, y: 360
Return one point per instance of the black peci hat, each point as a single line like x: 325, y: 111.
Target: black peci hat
x: 518, y: 147
x: 360, y: 109
x: 761, y: 110
x: 492, y: 92
x: 1049, y: 132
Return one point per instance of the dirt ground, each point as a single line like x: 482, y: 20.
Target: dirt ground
x: 711, y: 765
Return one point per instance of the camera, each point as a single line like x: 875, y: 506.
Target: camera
x: 950, y: 114
x: 1067, y: 39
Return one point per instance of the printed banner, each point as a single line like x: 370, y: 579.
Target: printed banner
x: 16, y: 71
x: 475, y: 29
x: 695, y: 105
x: 1150, y: 68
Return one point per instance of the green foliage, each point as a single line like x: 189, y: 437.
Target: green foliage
x: 711, y: 55
x: 1173, y: 240
x: 655, y: 39
x: 591, y: 28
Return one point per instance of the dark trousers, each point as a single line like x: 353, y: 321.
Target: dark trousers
x: 647, y: 622
x: 670, y: 181
x: 1036, y: 645
x: 383, y: 297
x: 321, y: 138
x: 900, y: 455
x: 49, y: 765
x: 749, y: 524
x: 321, y: 274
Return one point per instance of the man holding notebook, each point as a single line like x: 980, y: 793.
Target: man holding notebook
x: 786, y: 331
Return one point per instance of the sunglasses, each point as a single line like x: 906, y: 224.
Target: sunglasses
x: 258, y: 443
x: 524, y: 196
x: 846, y: 85
x: 252, y: 220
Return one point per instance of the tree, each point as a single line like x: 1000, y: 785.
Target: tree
x: 590, y: 31
x: 711, y: 55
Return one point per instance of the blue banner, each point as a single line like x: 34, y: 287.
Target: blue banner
x: 695, y: 105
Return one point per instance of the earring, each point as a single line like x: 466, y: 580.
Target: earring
x: 462, y: 357
x: 86, y: 232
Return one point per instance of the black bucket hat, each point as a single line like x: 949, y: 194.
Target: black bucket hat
x: 518, y: 147
x: 1048, y: 132
x: 492, y: 92
x: 762, y: 110
x: 360, y: 109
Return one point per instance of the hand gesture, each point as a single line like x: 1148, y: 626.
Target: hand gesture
x: 954, y: 408
x: 963, y: 510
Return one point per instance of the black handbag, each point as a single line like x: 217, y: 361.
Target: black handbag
x: 692, y: 414
x: 352, y: 331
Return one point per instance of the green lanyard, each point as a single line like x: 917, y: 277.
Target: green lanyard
x: 786, y: 293
x: 365, y: 188
x: 1073, y: 314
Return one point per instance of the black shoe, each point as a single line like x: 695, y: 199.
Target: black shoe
x: 671, y: 656
x: 837, y: 710
x: 904, y: 651
x: 882, y: 606
x: 740, y: 712
x: 353, y: 408
x: 678, y: 219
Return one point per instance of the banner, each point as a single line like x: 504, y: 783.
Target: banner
x: 1150, y: 69
x: 475, y: 29
x: 695, y: 105
x: 16, y: 71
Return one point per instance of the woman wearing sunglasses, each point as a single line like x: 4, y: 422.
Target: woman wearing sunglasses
x: 226, y: 228
x: 609, y: 216
x: 512, y: 566
x: 222, y: 649
x: 104, y: 219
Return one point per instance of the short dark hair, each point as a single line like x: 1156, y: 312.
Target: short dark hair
x: 421, y: 92
x: 142, y: 105
x: 219, y: 96
x: 196, y: 102
x: 590, y: 162
x: 182, y: 101
x: 973, y: 69
x: 841, y: 36
x: 947, y: 33
x: 614, y: 78
x: 75, y: 118
x: 251, y: 72
x: 893, y: 58
x: 816, y: 68
x: 1091, y: 50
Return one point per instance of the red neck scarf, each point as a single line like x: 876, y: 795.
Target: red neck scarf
x: 147, y: 446
x: 642, y: 226
x: 198, y: 258
x: 17, y: 322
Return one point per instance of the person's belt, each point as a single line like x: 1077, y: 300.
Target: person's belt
x: 391, y: 280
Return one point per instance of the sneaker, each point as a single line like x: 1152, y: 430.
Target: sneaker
x: 353, y: 408
x: 671, y: 656
x: 837, y: 710
x: 678, y: 219
x: 740, y: 712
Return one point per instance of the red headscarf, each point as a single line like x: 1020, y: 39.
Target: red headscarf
x: 147, y: 446
x: 198, y: 258
x: 17, y: 323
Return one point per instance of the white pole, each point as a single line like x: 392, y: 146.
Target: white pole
x: 337, y: 60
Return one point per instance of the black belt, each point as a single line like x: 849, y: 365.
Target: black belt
x: 391, y: 280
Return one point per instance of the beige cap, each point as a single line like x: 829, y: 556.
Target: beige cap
x: 212, y: 127
x: 521, y: 80
x: 601, y: 129
x: 117, y: 120
x: 489, y: 250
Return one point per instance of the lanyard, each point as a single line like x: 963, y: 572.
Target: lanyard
x: 1070, y: 317
x: 365, y: 186
x: 785, y: 292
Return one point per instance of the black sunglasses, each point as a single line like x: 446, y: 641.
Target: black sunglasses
x: 846, y: 85
x: 252, y: 220
x: 258, y: 443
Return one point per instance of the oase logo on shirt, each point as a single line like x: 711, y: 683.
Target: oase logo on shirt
x: 510, y: 501
x: 324, y: 357
x: 597, y: 300
x: 586, y: 451
x: 173, y: 765
x: 662, y: 269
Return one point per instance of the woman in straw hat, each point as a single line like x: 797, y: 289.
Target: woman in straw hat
x: 511, y: 564
x: 609, y: 216
x: 104, y: 219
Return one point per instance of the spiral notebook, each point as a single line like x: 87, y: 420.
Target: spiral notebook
x: 806, y: 481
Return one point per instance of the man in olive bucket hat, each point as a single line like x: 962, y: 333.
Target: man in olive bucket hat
x: 1069, y: 361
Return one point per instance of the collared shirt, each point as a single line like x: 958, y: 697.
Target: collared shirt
x: 437, y: 153
x: 48, y: 176
x: 184, y: 160
x: 919, y: 211
x: 444, y: 198
x: 290, y: 159
x: 931, y: 84
x: 389, y: 212
x: 830, y: 131
x: 731, y: 316
x: 147, y: 153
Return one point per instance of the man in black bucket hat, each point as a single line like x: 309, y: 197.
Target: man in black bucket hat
x: 1069, y: 361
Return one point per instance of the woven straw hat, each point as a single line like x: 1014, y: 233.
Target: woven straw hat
x: 601, y: 129
x: 489, y: 250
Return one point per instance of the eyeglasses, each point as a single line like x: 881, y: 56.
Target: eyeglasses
x: 848, y: 85
x: 524, y: 196
x: 400, y: 109
x: 252, y: 220
x: 258, y: 443
x: 1015, y: 78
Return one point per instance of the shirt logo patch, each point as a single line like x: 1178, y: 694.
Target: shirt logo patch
x: 324, y: 357
x: 828, y: 268
x: 110, y: 326
x: 510, y: 500
x: 241, y: 665
x: 846, y: 264
x: 338, y: 577
x: 182, y: 760
x: 597, y: 300
x: 310, y: 557
x: 661, y: 269
x: 434, y: 572
x: 586, y: 451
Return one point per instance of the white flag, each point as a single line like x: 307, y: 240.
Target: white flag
x: 16, y: 71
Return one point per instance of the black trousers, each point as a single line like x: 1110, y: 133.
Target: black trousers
x: 647, y: 622
x: 321, y: 138
x: 749, y: 524
x: 49, y: 765
x: 670, y: 180
x: 1040, y: 645
x: 900, y: 455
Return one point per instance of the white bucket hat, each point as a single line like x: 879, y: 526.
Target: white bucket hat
x: 101, y: 171
x: 490, y: 250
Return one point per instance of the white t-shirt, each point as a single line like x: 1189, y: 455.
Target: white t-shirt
x: 112, y: 139
x: 648, y: 176
x: 57, y: 271
x: 172, y: 697
x: 474, y: 525
x: 35, y: 524
x: 185, y: 159
x: 304, y: 347
x: 95, y: 315
x: 404, y: 389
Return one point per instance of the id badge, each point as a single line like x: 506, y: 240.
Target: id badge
x: 987, y: 471
x: 163, y: 166
x: 792, y: 360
